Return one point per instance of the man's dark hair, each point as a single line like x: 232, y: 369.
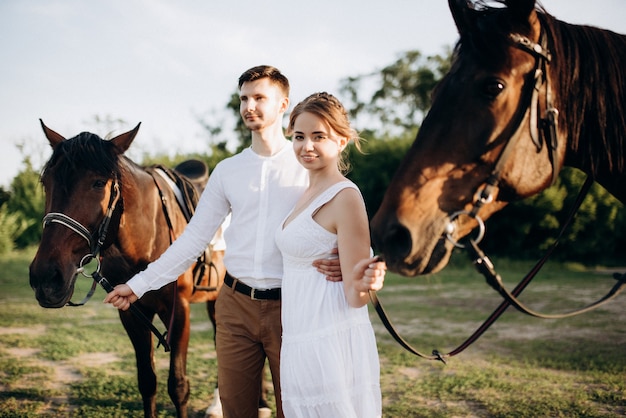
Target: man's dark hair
x: 263, y: 71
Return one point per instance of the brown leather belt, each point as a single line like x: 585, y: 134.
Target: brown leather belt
x: 255, y: 294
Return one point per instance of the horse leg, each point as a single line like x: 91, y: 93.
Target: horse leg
x: 178, y: 382
x: 141, y: 339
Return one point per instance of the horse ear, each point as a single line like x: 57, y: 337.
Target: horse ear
x: 520, y: 9
x: 123, y: 141
x: 53, y: 137
x: 460, y: 13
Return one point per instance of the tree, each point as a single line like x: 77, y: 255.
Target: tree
x: 26, y: 204
x: 11, y: 227
x: 373, y: 169
x: 390, y: 117
x: 218, y: 153
x: 4, y: 196
x: 526, y: 228
x: 401, y: 92
x: 214, y: 123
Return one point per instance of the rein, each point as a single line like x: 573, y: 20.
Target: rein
x: 547, y: 126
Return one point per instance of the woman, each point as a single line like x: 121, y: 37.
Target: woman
x: 329, y: 361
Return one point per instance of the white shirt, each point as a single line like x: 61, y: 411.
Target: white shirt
x: 258, y: 192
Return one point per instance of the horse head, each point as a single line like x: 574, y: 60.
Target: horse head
x: 483, y: 139
x: 80, y: 182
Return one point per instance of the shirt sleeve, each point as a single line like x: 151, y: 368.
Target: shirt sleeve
x: 212, y: 208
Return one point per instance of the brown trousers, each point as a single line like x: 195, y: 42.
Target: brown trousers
x: 248, y: 331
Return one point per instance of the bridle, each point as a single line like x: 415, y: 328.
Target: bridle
x: 546, y: 125
x: 540, y: 127
x: 96, y: 242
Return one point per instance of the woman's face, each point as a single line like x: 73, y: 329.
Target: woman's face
x: 315, y: 143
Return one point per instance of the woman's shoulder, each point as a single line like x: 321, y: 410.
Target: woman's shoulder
x: 345, y: 193
x: 347, y: 187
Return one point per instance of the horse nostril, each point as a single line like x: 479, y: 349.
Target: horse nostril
x: 397, y: 241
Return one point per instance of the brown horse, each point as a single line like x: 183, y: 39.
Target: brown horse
x: 526, y: 94
x: 97, y: 197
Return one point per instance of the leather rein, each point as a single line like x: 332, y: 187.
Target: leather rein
x: 548, y: 127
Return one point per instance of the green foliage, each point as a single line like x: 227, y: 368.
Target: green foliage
x: 12, y: 225
x: 373, y: 169
x: 4, y: 196
x: 218, y: 153
x: 26, y: 206
x: 528, y: 227
x: 239, y: 137
x: 401, y: 92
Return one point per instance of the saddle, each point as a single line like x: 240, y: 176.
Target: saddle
x: 196, y: 172
x: 187, y: 180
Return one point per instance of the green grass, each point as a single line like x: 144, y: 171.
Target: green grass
x: 79, y: 362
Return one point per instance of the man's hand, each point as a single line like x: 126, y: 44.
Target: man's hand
x: 121, y: 297
x: 330, y: 267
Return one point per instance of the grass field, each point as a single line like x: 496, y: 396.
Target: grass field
x: 78, y: 362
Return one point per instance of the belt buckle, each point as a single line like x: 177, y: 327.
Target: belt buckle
x: 252, y: 294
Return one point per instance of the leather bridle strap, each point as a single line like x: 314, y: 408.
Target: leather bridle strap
x: 392, y: 330
x: 162, y: 337
x: 486, y: 268
x: 547, y: 125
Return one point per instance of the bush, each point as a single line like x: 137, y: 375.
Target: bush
x: 12, y: 225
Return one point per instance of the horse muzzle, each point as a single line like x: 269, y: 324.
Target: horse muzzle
x: 406, y: 253
x: 52, y: 290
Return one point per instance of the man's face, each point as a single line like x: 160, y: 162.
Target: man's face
x: 262, y: 104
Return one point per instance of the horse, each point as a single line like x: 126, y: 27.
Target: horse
x: 526, y: 94
x: 97, y: 197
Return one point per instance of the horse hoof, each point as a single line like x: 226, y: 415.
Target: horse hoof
x: 265, y: 412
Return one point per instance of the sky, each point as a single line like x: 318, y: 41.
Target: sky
x: 166, y: 63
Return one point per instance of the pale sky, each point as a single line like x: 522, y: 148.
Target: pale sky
x: 162, y: 62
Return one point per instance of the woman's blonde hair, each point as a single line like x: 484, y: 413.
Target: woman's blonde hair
x: 329, y: 108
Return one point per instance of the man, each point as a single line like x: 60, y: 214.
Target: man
x: 258, y: 187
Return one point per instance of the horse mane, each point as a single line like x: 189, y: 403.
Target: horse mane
x: 85, y: 152
x: 587, y: 72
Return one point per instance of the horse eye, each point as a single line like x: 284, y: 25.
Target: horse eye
x: 492, y: 88
x: 99, y: 184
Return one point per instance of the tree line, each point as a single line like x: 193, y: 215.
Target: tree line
x: 387, y: 107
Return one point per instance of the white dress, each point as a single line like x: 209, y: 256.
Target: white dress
x: 329, y: 363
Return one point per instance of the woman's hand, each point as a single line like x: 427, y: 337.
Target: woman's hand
x: 370, y: 274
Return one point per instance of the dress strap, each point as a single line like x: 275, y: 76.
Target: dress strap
x: 328, y: 194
